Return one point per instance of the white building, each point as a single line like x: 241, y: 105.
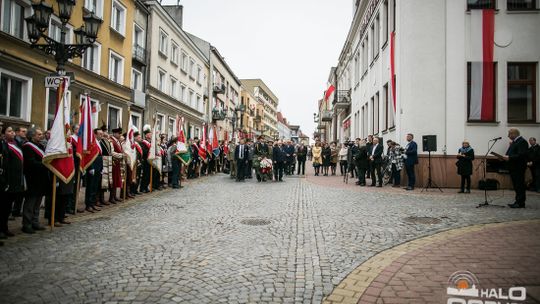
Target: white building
x: 283, y: 127
x: 178, y: 72
x: 433, y: 50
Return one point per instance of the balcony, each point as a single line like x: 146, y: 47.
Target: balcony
x: 138, y: 98
x: 219, y: 114
x: 219, y: 89
x: 342, y: 100
x: 139, y: 54
x: 321, y: 126
x: 326, y: 116
x: 205, y: 92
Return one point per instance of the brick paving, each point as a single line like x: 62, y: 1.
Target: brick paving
x: 193, y: 245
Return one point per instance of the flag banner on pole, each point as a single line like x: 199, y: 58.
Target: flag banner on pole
x: 87, y: 149
x: 129, y: 144
x: 393, y: 68
x: 215, y: 142
x: 154, y: 155
x: 59, y: 152
x: 202, y: 144
x: 482, y: 105
x: 329, y: 94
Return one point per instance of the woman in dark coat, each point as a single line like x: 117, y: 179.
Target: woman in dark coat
x: 464, y: 166
x: 326, y: 158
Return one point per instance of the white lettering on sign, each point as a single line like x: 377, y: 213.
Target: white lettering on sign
x: 55, y: 81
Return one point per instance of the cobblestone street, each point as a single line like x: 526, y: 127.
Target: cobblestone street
x: 218, y: 241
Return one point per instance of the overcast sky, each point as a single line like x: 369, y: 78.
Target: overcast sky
x: 289, y: 44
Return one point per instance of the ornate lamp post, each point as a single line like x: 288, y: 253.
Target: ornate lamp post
x: 85, y: 36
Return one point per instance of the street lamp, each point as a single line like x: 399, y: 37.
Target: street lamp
x: 85, y: 36
x: 315, y: 118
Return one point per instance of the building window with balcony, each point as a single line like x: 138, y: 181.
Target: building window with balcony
x: 161, y: 80
x: 91, y: 58
x: 480, y: 4
x: 118, y: 17
x: 521, y: 5
x: 174, y: 53
x: 116, y: 67
x: 163, y: 42
x: 174, y: 87
x: 522, y: 101
x: 136, y: 79
x: 13, y: 14
x: 114, y: 117
x: 95, y: 6
x: 184, y: 63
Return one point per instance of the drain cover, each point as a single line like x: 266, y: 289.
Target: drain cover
x: 255, y: 222
x: 422, y: 220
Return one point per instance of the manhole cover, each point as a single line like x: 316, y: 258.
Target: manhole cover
x: 422, y: 220
x: 255, y: 222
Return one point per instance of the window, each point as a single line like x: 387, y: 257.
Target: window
x: 91, y: 58
x: 376, y: 35
x: 522, y: 92
x: 55, y: 30
x: 199, y: 104
x: 161, y: 80
x: 375, y: 110
x: 473, y: 110
x: 15, y: 95
x: 95, y: 6
x: 191, y: 99
x: 522, y: 5
x: 184, y: 62
x: 160, y: 121
x: 357, y: 68
x: 118, y: 17
x: 182, y: 92
x: 138, y: 35
x: 388, y: 105
x: 163, y: 42
x: 199, y: 73
x: 116, y: 68
x: 364, y: 56
x: 114, y: 118
x: 385, y: 22
x: 13, y: 18
x: 394, y: 13
x: 136, y: 79
x: 479, y: 4
x: 51, y: 104
x: 136, y: 120
x: 96, y: 108
x: 191, y: 68
x: 174, y: 52
x: 171, y: 129
x: 174, y: 87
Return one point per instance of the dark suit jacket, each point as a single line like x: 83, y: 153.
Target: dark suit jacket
x: 278, y: 154
x: 361, y: 157
x: 245, y: 153
x: 290, y: 151
x: 301, y: 153
x: 517, y: 154
x: 37, y: 175
x: 377, y: 154
x: 412, y: 154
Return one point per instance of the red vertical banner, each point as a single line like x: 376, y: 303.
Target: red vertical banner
x: 393, y: 68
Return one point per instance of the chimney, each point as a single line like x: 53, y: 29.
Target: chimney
x: 176, y: 12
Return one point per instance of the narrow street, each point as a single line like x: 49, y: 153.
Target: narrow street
x: 218, y: 241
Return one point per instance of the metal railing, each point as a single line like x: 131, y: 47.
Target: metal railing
x: 480, y: 4
x: 139, y: 53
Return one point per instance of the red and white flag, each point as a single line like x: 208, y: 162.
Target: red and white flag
x: 154, y: 154
x: 87, y: 148
x: 202, y: 145
x: 129, y: 144
x: 393, y: 68
x: 59, y: 152
x: 181, y: 145
x: 482, y: 105
x: 329, y: 94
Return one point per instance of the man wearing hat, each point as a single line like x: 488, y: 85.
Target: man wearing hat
x: 118, y: 161
x: 145, y: 180
x: 138, y: 166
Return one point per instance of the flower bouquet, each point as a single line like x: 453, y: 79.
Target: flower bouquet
x: 266, y: 165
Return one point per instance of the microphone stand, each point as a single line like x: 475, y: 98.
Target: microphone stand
x: 491, y: 143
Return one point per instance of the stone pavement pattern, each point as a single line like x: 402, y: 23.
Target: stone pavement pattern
x: 190, y: 246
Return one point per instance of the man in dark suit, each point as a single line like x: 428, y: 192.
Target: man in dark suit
x: 411, y: 154
x: 301, y: 153
x: 289, y: 162
x: 369, y: 145
x: 279, y: 157
x: 516, y: 156
x: 361, y: 160
x: 534, y: 164
x: 241, y: 154
x: 93, y: 177
x: 375, y: 159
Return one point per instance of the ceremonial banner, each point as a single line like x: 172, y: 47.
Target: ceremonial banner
x: 154, y: 155
x: 183, y: 152
x: 87, y: 147
x: 202, y: 145
x: 329, y: 94
x: 393, y: 68
x: 129, y: 145
x: 215, y: 142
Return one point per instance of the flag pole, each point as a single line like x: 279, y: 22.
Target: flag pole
x: 77, y: 191
x: 151, y: 173
x: 53, y: 203
x: 125, y: 182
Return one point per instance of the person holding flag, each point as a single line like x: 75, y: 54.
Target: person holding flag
x: 146, y: 168
x: 130, y: 154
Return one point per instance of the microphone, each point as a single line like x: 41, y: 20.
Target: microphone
x: 497, y: 138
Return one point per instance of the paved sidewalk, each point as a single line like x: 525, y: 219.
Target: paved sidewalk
x: 501, y: 255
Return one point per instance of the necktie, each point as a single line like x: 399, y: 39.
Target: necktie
x: 241, y: 151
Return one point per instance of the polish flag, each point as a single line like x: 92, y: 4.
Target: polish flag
x: 87, y: 149
x: 59, y: 152
x: 393, y: 68
x: 129, y: 144
x: 329, y: 94
x: 482, y: 105
x: 202, y: 145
